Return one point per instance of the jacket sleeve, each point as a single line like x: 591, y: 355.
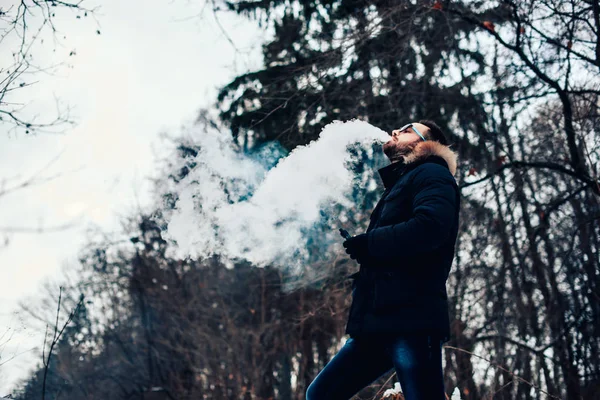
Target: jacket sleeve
x: 434, y: 209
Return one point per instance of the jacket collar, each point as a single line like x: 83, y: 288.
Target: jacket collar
x: 430, y: 151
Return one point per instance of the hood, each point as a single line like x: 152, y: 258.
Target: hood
x: 432, y: 148
x: 422, y: 150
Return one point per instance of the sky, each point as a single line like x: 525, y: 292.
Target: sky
x: 151, y: 68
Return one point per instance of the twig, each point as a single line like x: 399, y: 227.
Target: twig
x: 503, y: 369
x: 57, y: 335
x: 382, y: 386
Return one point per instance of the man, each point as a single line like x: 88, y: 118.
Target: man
x: 399, y: 313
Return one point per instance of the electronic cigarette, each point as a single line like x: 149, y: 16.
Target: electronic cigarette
x: 345, y: 233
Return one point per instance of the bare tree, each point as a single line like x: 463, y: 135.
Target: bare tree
x: 24, y: 24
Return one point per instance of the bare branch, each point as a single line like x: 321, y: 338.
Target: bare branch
x: 26, y: 21
x: 57, y: 334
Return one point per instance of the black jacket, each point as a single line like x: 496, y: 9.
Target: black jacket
x: 401, y: 288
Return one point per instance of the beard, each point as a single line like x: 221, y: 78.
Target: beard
x: 396, y: 152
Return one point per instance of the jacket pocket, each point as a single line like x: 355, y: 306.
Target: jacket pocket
x: 393, y: 292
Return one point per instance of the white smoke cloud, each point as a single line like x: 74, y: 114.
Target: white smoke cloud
x: 243, y: 207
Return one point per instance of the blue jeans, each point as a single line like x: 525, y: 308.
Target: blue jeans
x: 362, y: 360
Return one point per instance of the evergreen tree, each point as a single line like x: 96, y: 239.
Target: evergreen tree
x: 388, y: 62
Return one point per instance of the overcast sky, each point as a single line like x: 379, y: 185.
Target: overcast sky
x: 153, y: 65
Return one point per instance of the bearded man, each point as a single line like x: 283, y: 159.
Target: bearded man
x: 399, y: 314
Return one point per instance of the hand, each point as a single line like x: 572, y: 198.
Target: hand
x: 358, y: 248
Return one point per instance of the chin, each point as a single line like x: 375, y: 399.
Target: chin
x: 389, y: 151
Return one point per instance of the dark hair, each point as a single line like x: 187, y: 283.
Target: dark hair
x: 435, y: 132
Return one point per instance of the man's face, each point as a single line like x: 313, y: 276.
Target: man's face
x: 402, y: 142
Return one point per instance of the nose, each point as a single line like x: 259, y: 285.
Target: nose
x: 395, y: 132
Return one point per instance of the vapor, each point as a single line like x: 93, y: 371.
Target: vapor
x: 265, y: 207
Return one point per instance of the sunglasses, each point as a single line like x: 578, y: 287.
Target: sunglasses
x: 405, y: 127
